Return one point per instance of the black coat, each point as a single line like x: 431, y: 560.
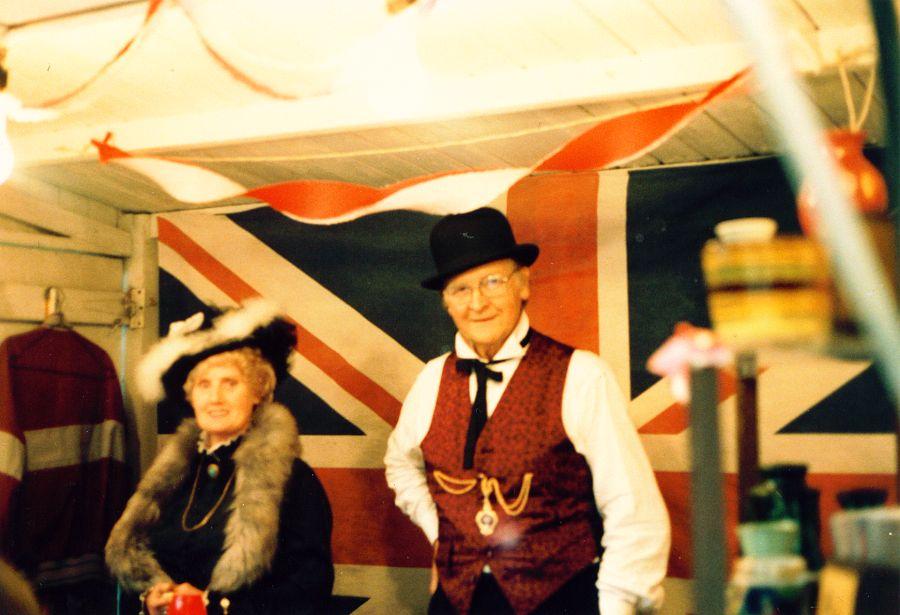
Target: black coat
x: 301, y: 576
x: 294, y: 576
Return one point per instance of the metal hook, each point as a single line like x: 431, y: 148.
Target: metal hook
x: 53, y: 315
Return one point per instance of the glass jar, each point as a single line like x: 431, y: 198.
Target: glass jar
x: 765, y: 290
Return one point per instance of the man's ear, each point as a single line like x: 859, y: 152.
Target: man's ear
x: 524, y: 283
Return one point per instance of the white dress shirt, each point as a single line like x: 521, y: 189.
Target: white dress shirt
x: 635, y: 521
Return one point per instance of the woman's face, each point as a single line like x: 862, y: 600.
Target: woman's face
x: 223, y: 401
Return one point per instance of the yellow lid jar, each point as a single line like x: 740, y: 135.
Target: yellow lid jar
x: 765, y: 290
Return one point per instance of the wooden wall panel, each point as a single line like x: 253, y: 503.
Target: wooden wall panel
x: 23, y: 271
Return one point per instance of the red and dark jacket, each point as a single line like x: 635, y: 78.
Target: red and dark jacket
x: 63, y: 478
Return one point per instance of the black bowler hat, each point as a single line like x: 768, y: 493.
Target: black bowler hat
x: 460, y: 242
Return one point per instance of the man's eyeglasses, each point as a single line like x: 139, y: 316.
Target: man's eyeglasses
x: 493, y: 285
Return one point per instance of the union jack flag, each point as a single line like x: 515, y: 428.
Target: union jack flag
x: 619, y: 267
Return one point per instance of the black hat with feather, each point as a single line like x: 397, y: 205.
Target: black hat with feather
x: 255, y: 324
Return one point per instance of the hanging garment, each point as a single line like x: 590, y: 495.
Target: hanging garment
x: 63, y: 478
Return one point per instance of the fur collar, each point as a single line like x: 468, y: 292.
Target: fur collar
x: 263, y: 464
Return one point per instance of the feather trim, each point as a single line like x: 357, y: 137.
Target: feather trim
x: 181, y: 341
x: 263, y: 465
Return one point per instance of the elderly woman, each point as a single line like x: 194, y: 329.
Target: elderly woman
x: 227, y: 509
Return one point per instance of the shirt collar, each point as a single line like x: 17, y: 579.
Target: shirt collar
x: 202, y: 448
x: 511, y: 349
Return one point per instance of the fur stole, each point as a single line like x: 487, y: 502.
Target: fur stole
x: 263, y: 464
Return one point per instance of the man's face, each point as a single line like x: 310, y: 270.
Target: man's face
x: 485, y: 303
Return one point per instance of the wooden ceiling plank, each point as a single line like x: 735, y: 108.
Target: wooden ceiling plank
x: 396, y: 167
x: 828, y: 95
x: 277, y: 172
x: 476, y: 48
x: 540, y: 137
x: 559, y: 116
x: 518, y: 151
x: 119, y: 187
x: 707, y: 137
x: 364, y: 171
x: 22, y: 12
x: 437, y: 156
x: 64, y: 244
x: 875, y: 121
x: 50, y: 58
x: 559, y: 85
x: 248, y: 174
x: 835, y: 13
x: 743, y: 120
x: 477, y: 44
x: 535, y: 42
x: 562, y: 60
x: 284, y: 145
x: 474, y: 156
x: 318, y: 170
x: 408, y: 164
x: 699, y: 21
x: 802, y: 33
x: 458, y: 157
x: 731, y: 129
x: 351, y: 171
x: 637, y: 24
x: 35, y: 265
x: 66, y: 199
x: 794, y: 17
x: 25, y: 302
x: 38, y: 213
x: 607, y: 110
x: 675, y: 151
x: 430, y: 161
x: 821, y: 116
x: 575, y: 31
x: 8, y: 224
x: 862, y: 75
x: 647, y: 160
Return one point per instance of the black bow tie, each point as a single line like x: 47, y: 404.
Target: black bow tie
x: 479, y: 405
x: 467, y: 366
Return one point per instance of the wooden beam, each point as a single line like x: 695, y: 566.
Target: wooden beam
x: 25, y: 303
x: 90, y: 235
x: 674, y: 71
x: 142, y: 272
x: 352, y: 107
x: 62, y: 244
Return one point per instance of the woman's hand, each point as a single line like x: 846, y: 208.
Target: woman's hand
x: 187, y: 588
x: 158, y: 597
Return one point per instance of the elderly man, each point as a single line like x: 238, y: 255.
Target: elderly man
x: 515, y: 454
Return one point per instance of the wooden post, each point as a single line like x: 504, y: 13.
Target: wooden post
x: 747, y: 428
x: 707, y: 500
x: 142, y: 272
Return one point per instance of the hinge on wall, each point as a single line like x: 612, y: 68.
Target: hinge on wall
x: 135, y: 301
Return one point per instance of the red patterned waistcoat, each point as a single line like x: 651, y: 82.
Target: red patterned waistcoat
x: 534, y: 554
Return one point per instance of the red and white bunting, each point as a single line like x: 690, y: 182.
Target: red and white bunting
x: 608, y: 142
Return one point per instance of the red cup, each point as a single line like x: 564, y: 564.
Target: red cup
x: 187, y: 604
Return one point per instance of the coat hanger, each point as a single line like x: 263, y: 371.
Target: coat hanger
x: 53, y: 314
